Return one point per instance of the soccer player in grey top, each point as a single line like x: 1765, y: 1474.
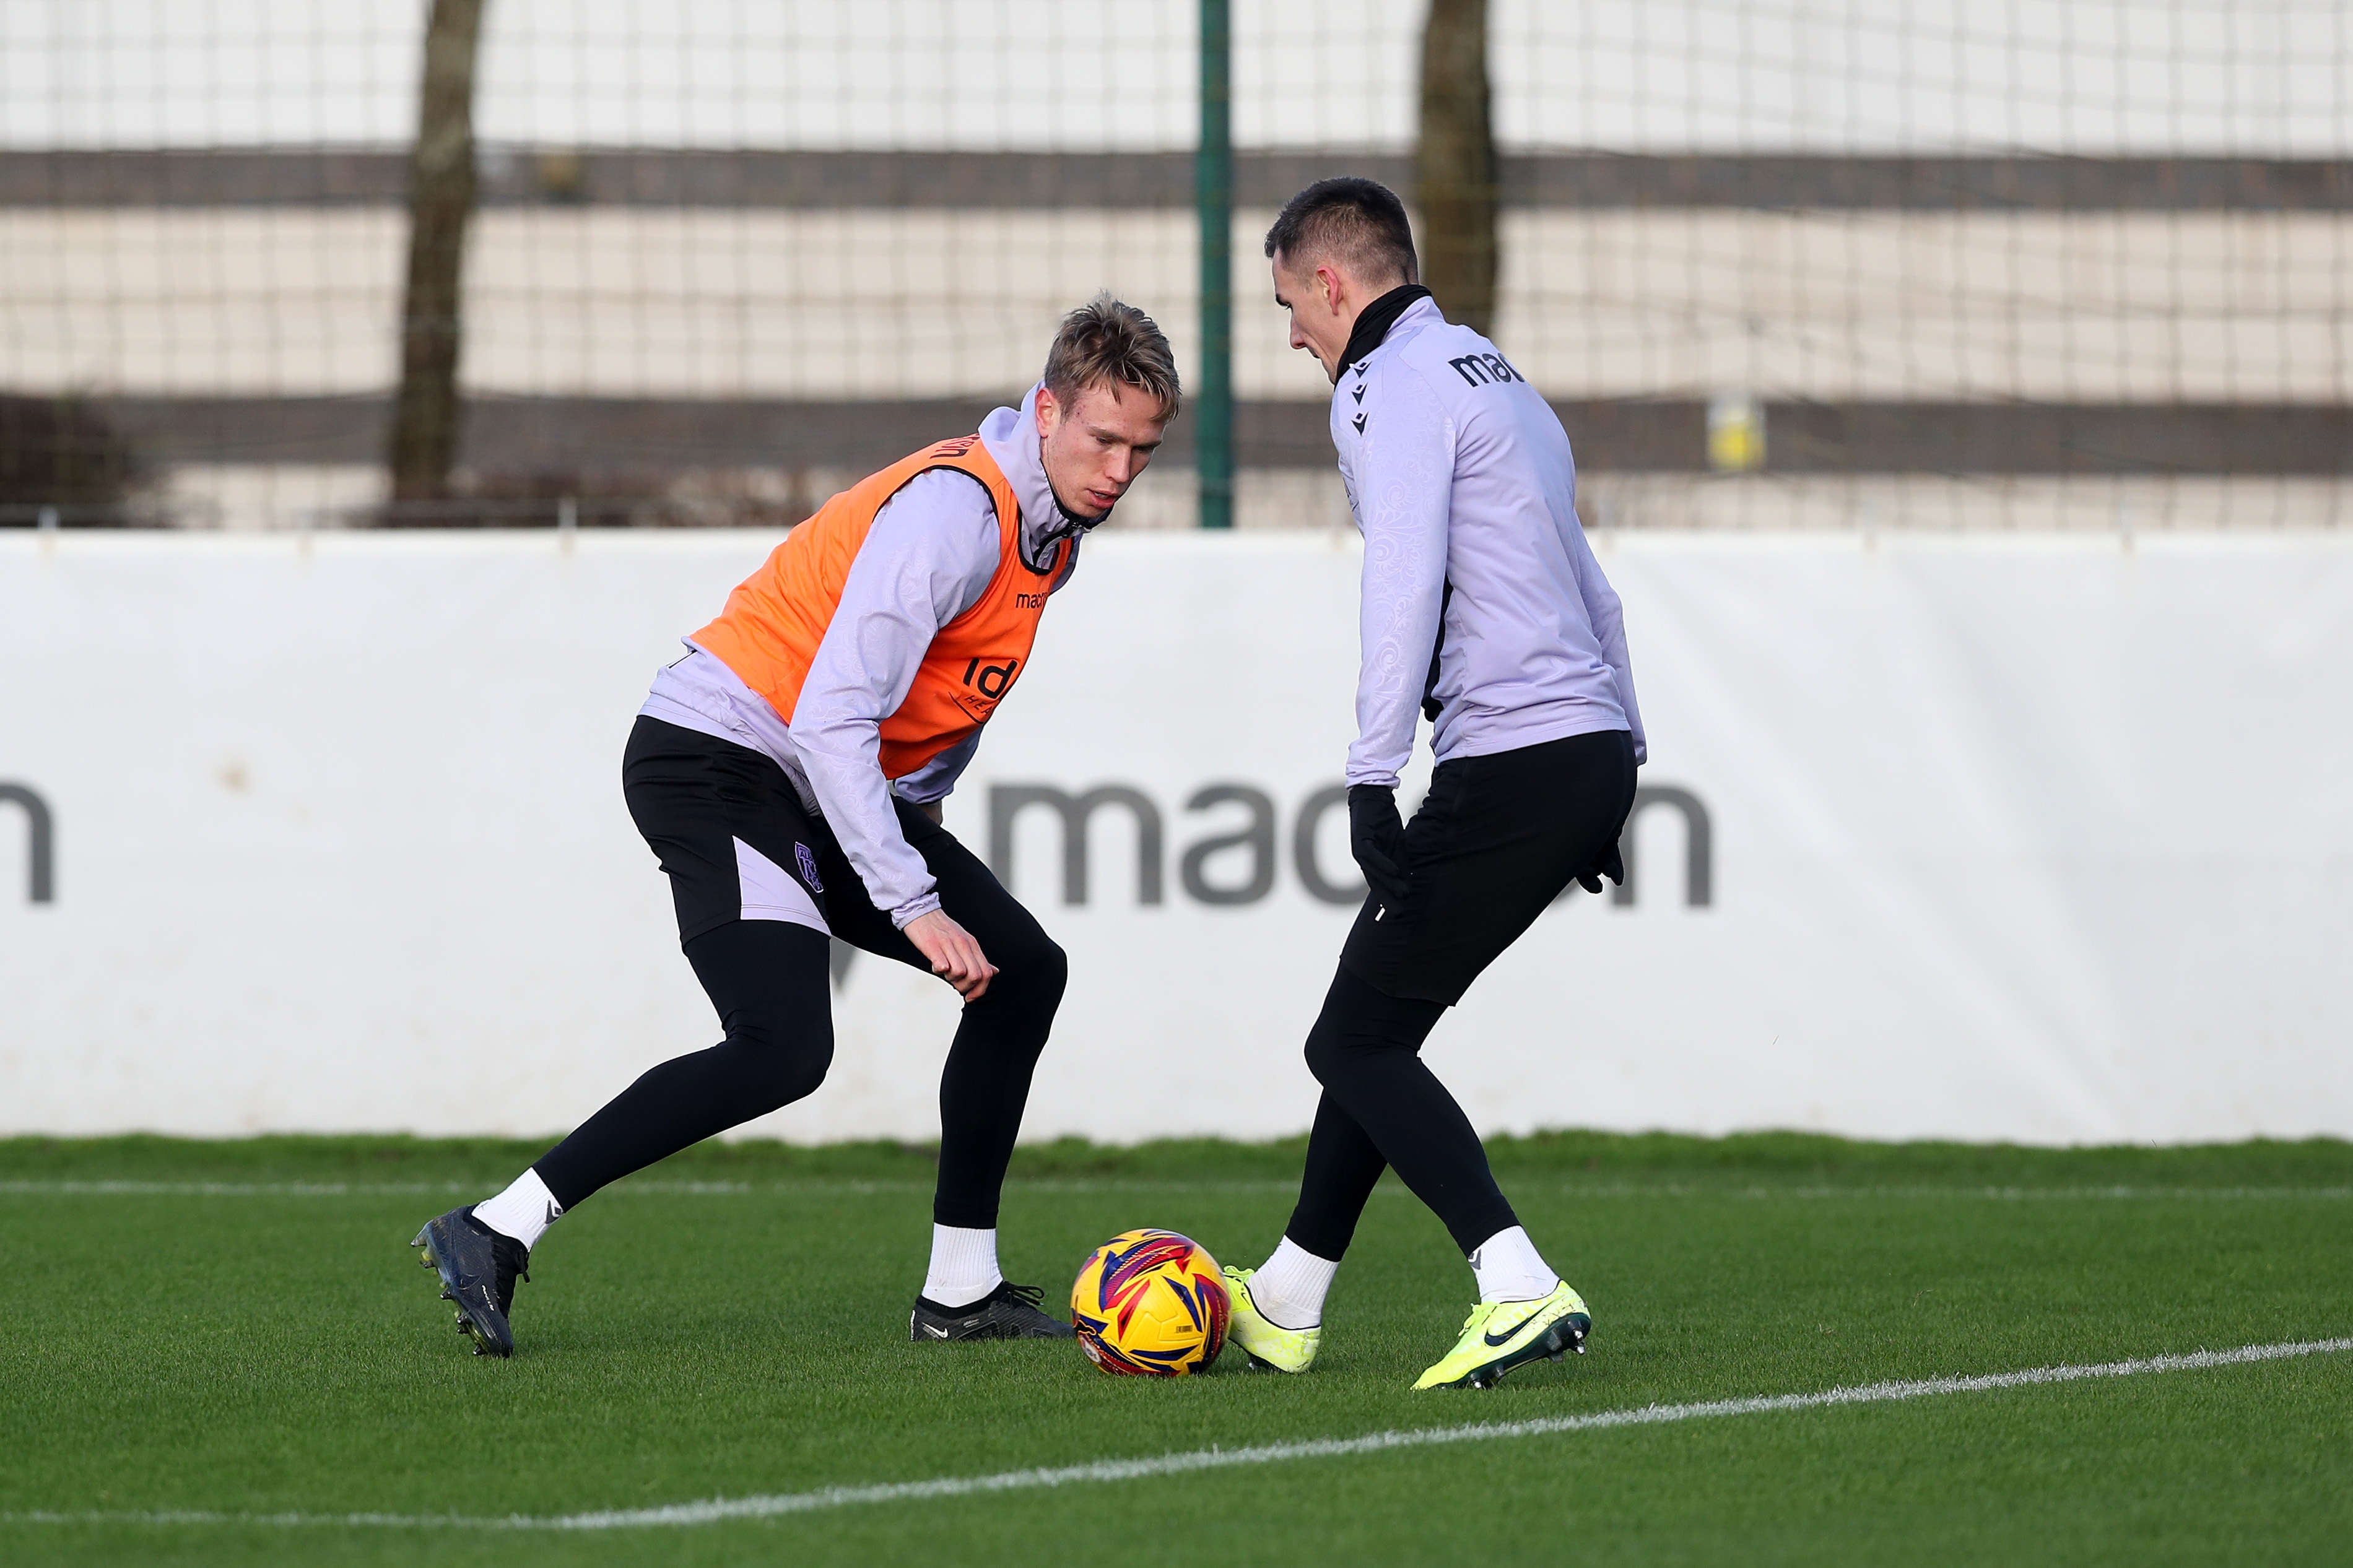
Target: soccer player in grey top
x: 1485, y: 609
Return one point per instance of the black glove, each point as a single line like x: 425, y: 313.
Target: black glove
x: 1611, y: 865
x: 1376, y: 837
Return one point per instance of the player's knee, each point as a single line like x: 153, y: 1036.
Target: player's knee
x: 1362, y: 1028
x: 1342, y: 1041
x: 784, y: 1078
x: 1326, y: 1052
x: 1049, y: 969
x: 783, y: 1060
x: 1031, y: 976
x: 1335, y: 1037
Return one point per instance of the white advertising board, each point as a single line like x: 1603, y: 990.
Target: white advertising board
x: 1985, y: 837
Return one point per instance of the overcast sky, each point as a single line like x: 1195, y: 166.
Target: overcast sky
x: 2248, y: 77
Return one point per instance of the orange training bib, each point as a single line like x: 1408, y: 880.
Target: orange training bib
x: 770, y: 632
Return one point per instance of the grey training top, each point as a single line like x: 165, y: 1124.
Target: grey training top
x: 1460, y: 479
x: 927, y: 558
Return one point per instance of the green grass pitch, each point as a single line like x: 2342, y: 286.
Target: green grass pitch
x: 237, y: 1329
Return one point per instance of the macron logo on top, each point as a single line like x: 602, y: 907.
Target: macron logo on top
x: 1481, y: 369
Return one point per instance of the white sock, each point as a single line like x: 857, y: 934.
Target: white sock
x: 1509, y: 1268
x: 1290, y: 1287
x: 964, y: 1266
x: 523, y: 1211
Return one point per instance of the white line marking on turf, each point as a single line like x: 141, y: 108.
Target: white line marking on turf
x: 717, y: 1509
x: 1997, y: 1194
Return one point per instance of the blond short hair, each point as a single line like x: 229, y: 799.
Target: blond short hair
x: 1106, y: 342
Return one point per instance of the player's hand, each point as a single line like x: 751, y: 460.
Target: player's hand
x: 1376, y: 837
x: 953, y: 956
x: 1611, y: 865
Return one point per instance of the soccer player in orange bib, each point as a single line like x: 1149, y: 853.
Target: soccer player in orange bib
x: 788, y: 773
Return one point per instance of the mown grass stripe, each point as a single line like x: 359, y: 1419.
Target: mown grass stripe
x: 720, y: 1510
x: 659, y: 1187
x: 656, y: 1187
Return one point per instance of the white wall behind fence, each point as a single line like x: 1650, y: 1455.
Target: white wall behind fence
x: 2040, y: 838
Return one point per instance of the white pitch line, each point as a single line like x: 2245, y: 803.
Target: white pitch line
x: 1990, y: 1193
x: 718, y: 1510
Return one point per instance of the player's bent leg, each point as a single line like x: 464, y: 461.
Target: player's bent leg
x: 985, y: 1083
x: 984, y: 1086
x: 984, y: 1089
x: 1365, y: 1050
x: 1278, y: 1312
x: 768, y: 981
x: 1496, y: 840
x: 1344, y: 1164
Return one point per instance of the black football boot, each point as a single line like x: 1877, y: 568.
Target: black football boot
x: 1009, y: 1313
x: 478, y: 1268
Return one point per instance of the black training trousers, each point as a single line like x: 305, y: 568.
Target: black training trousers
x: 701, y: 802
x: 1496, y: 840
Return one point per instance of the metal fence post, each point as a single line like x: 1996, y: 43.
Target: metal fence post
x: 1213, y: 184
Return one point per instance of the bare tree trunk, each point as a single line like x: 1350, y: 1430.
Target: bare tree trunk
x: 1454, y: 167
x: 440, y: 200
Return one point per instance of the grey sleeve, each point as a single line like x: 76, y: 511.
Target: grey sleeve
x: 928, y: 558
x: 936, y: 779
x: 1402, y: 483
x: 1608, y: 618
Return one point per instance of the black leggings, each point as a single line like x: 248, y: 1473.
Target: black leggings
x: 768, y: 981
x: 1382, y: 1106
x: 696, y: 798
x: 1496, y: 840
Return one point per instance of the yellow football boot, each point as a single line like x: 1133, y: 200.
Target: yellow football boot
x: 1499, y: 1335
x: 1269, y: 1344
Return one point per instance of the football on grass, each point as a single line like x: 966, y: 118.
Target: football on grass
x: 1150, y: 1303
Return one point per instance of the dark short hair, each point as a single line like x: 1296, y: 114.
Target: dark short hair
x: 1106, y: 342
x: 1359, y: 221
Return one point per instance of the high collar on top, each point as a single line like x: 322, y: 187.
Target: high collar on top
x: 1374, y: 322
x: 1011, y: 437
